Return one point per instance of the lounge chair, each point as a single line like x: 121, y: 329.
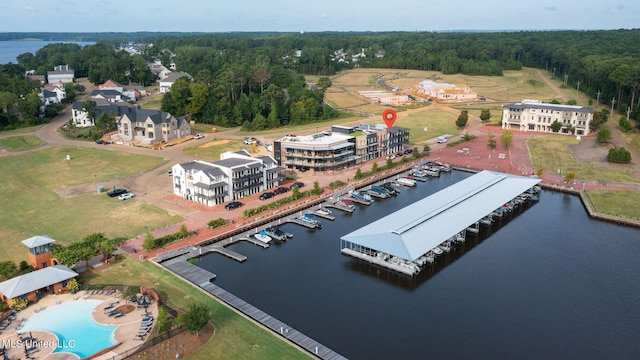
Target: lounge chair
x: 108, y: 307
x: 112, y: 312
x: 119, y: 315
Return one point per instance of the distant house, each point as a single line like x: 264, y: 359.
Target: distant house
x: 234, y: 176
x: 61, y: 73
x: 446, y: 92
x: 39, y: 78
x: 159, y: 70
x: 133, y: 92
x: 146, y: 127
x: 166, y: 83
x: 534, y: 115
x: 112, y: 96
x: 51, y: 94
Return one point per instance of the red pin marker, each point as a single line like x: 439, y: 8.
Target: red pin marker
x: 389, y: 116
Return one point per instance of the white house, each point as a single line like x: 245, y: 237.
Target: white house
x: 80, y: 118
x: 61, y: 73
x: 233, y: 177
x: 534, y: 115
x: 166, y: 83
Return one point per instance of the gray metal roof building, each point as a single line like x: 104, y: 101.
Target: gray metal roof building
x: 39, y: 279
x: 416, y: 229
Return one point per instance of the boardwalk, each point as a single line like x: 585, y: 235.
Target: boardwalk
x: 202, y: 279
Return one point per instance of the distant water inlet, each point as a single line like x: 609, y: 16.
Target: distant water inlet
x: 74, y: 327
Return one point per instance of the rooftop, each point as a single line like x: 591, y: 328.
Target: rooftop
x: 35, y: 280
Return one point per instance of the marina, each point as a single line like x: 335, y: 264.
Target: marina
x: 487, y: 274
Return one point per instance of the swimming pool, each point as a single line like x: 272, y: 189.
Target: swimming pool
x: 76, y: 330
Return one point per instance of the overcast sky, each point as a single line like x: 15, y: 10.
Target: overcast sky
x: 315, y: 15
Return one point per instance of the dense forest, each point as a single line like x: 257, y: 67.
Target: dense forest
x: 255, y: 79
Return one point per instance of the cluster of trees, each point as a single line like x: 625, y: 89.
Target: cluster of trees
x: 90, y: 246
x: 9, y: 269
x: 462, y: 120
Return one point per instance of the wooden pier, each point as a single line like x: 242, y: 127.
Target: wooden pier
x: 324, y: 215
x: 302, y: 223
x: 360, y: 201
x: 337, y: 205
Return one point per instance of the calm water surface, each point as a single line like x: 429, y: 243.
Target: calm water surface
x: 550, y: 283
x: 9, y: 50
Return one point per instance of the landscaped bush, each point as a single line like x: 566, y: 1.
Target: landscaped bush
x: 19, y: 304
x: 151, y: 243
x: 216, y: 223
x: 282, y: 201
x: 336, y: 184
x: 619, y: 156
x: 466, y: 138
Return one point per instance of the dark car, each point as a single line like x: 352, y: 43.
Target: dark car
x: 267, y: 195
x: 280, y: 190
x: 116, y: 192
x: 408, y: 151
x: 233, y: 205
x: 100, y: 142
x: 296, y: 184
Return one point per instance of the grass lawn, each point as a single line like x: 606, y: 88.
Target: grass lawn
x: 213, y: 149
x: 616, y: 203
x: 21, y: 143
x: 551, y: 153
x: 153, y: 103
x: 30, y: 206
x: 21, y: 131
x: 234, y: 337
x: 437, y: 122
x: 206, y: 128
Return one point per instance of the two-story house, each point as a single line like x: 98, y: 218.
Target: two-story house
x: 61, y: 74
x: 144, y: 127
x: 534, y: 115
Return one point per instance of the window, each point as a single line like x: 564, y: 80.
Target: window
x: 149, y: 126
x: 150, y: 134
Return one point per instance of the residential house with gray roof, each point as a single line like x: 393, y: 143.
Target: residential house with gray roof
x: 144, y: 127
x: 234, y: 176
x: 534, y: 115
x: 61, y: 74
x: 81, y: 118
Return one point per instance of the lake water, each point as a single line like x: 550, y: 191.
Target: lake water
x: 550, y: 283
x: 9, y: 50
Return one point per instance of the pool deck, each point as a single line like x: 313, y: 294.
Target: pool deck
x: 128, y: 326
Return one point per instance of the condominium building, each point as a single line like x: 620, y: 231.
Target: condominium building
x: 339, y: 148
x: 235, y: 176
x: 534, y: 115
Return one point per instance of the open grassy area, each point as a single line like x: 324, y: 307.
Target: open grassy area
x: 206, y: 128
x: 623, y: 204
x: 551, y: 153
x: 21, y: 143
x: 235, y: 336
x: 154, y: 102
x: 31, y: 207
x: 213, y: 149
x: 21, y: 131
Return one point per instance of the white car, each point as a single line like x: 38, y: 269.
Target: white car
x: 199, y: 136
x: 126, y: 196
x: 250, y: 141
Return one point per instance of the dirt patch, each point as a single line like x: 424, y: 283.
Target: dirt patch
x: 183, y: 344
x: 213, y: 143
x: 589, y: 151
x: 125, y: 309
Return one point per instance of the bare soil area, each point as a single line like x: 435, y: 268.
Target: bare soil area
x: 183, y: 344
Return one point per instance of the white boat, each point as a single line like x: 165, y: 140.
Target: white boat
x: 406, y: 181
x: 324, y: 211
x: 360, y: 195
x: 309, y: 218
x: 262, y: 236
x: 436, y: 250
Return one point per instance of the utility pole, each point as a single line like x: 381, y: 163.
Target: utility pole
x: 598, y: 98
x: 566, y: 79
x: 613, y: 101
x: 554, y: 71
x: 628, y: 112
x: 577, y: 87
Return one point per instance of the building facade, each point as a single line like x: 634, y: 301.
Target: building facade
x: 235, y: 176
x: 534, y: 115
x: 61, y: 74
x: 446, y: 92
x: 144, y: 127
x: 339, y: 148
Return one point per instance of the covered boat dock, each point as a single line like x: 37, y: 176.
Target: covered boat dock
x: 403, y: 240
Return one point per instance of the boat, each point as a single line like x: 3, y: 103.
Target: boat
x: 391, y: 188
x: 436, y: 250
x: 309, y: 219
x: 275, y: 233
x: 324, y: 211
x: 431, y: 171
x: 443, y: 166
x: 405, y: 181
x: 384, y: 190
x: 346, y: 203
x: 377, y: 193
x: 360, y: 195
x: 262, y: 236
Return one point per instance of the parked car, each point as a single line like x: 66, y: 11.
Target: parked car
x: 126, y: 196
x: 408, y: 151
x: 267, y: 195
x: 233, y: 205
x: 117, y: 192
x: 198, y: 136
x: 170, y: 172
x: 280, y: 190
x: 250, y: 141
x: 296, y: 184
x: 399, y: 154
x: 100, y: 142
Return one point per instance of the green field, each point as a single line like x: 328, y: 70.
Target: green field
x: 21, y: 143
x: 31, y: 206
x: 235, y: 336
x: 616, y: 203
x: 541, y: 148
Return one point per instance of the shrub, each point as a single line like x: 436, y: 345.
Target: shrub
x: 619, y: 156
x: 151, y: 243
x: 336, y: 184
x: 216, y: 223
x: 19, y: 304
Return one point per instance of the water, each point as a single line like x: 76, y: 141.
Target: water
x: 73, y: 325
x: 550, y: 283
x: 9, y: 50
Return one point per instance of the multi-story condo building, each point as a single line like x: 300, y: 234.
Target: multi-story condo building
x: 534, y: 115
x: 235, y: 176
x: 339, y: 148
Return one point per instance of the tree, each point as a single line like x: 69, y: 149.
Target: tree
x: 374, y: 168
x: 25, y: 267
x: 324, y: 83
x: 164, y: 321
x: 106, y: 248
x: 73, y: 285
x: 106, y: 123
x: 358, y: 174
x: 556, y: 126
x: 149, y: 242
x: 316, y: 188
x: 604, y: 135
x: 625, y: 124
x: 89, y: 107
x: 389, y: 163
x: 507, y: 139
x: 261, y: 76
x: 570, y: 176
x: 462, y: 120
x: 197, y: 318
x: 7, y: 269
x: 485, y: 115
